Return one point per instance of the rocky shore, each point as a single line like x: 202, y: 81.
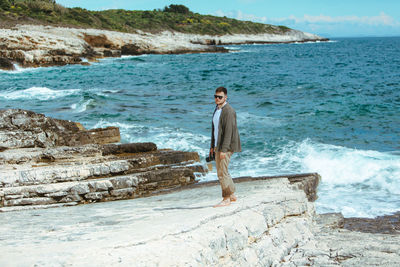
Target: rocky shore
x: 47, y: 162
x: 271, y: 224
x: 40, y: 46
x: 164, y: 217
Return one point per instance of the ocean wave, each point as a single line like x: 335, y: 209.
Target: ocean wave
x: 19, y: 69
x: 81, y: 106
x: 357, y: 183
x: 342, y: 166
x: 108, y: 60
x: 363, y: 183
x: 41, y: 93
x: 164, y: 137
x: 314, y: 42
x: 107, y: 93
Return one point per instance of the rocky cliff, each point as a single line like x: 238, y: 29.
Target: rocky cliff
x: 34, y: 46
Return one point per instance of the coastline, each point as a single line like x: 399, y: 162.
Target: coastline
x: 41, y: 46
x: 67, y: 181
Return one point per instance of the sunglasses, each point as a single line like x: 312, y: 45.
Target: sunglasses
x: 218, y: 96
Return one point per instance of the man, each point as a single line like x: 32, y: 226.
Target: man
x: 224, y: 142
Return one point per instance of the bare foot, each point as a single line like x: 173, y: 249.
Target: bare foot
x: 233, y: 198
x: 223, y: 203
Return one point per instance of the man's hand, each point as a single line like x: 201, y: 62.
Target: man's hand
x: 222, y: 155
x: 211, y: 152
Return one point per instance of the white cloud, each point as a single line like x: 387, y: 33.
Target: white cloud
x: 379, y: 25
x: 242, y: 16
x: 380, y: 20
x: 238, y: 14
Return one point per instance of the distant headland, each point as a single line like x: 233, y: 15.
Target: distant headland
x: 44, y: 33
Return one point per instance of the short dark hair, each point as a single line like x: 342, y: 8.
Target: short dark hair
x: 221, y: 89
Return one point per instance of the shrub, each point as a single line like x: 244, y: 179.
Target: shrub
x: 283, y: 28
x: 4, y: 4
x: 177, y: 9
x: 172, y: 17
x: 41, y: 6
x: 224, y: 24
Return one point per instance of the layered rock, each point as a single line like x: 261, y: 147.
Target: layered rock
x: 33, y: 46
x: 272, y: 224
x: 22, y: 128
x: 47, y: 162
x: 270, y: 219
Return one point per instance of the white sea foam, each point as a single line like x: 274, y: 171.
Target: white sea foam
x: 41, y: 93
x: 124, y: 127
x: 19, y: 69
x: 106, y: 92
x: 166, y: 137
x: 109, y: 60
x: 367, y: 181
x: 130, y: 56
x: 81, y: 106
x: 342, y: 166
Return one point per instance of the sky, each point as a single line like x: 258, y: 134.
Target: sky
x: 328, y: 18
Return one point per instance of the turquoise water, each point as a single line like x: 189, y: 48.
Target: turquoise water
x: 331, y: 108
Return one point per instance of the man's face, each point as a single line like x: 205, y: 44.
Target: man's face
x: 220, y: 98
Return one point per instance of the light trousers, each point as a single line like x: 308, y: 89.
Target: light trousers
x: 225, y: 179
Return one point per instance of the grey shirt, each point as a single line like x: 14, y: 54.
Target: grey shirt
x: 228, y: 138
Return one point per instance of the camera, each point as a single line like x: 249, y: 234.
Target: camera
x: 210, y: 157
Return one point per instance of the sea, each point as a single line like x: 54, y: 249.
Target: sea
x: 326, y: 107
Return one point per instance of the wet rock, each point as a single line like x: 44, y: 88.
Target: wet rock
x: 98, y: 40
x: 111, y: 53
x: 6, y: 64
x: 128, y: 148
x: 131, y: 50
x: 125, y: 192
x: 389, y: 224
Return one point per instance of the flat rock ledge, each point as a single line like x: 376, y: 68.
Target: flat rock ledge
x: 41, y: 46
x: 271, y: 224
x: 47, y: 162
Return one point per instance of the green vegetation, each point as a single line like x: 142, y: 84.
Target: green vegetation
x: 174, y: 17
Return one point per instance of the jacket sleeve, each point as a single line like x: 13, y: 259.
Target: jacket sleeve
x: 212, y: 135
x: 212, y: 130
x: 228, y: 131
